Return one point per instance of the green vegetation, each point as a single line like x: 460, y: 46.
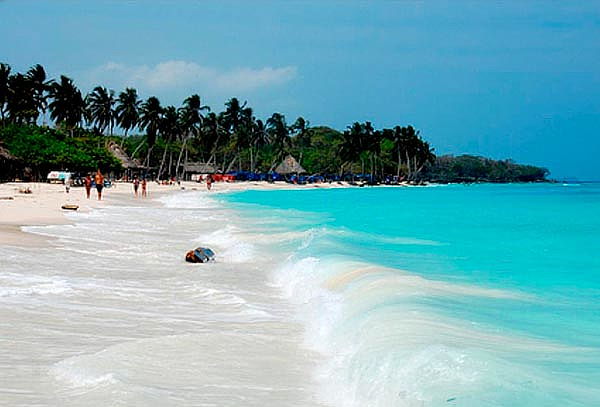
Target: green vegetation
x: 468, y: 168
x: 44, y: 149
x: 168, y: 137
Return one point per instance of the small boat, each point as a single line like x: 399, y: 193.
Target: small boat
x: 70, y: 207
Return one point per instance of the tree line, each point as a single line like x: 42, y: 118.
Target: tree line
x: 165, y: 137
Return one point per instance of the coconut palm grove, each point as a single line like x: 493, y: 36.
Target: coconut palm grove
x: 48, y: 124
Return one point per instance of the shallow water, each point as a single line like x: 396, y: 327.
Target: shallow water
x: 451, y: 295
x: 110, y: 314
x: 445, y: 296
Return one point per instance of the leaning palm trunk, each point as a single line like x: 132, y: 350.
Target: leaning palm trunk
x: 235, y: 157
x: 147, y: 163
x: 251, y: 161
x: 179, y: 158
x: 162, y: 162
x: 123, y: 139
x: 137, y: 148
x: 372, y: 167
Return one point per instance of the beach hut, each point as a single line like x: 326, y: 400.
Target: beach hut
x: 130, y: 165
x: 289, y: 166
x: 193, y: 171
x: 9, y: 164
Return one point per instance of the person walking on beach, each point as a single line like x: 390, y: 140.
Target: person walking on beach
x: 144, y: 188
x: 87, y: 182
x: 136, y: 185
x: 209, y: 182
x: 99, y: 180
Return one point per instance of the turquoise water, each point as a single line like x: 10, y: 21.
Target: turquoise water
x: 451, y: 295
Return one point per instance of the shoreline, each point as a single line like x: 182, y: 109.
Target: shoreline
x: 42, y: 206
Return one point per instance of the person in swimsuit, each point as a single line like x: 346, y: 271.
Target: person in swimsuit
x: 136, y: 185
x: 87, y: 182
x: 209, y: 181
x: 144, y: 187
x: 99, y: 180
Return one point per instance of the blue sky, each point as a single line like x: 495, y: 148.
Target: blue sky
x: 511, y: 79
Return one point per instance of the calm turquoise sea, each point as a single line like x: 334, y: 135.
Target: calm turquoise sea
x: 480, y: 295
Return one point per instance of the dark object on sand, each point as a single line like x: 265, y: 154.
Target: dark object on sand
x: 200, y: 255
x: 70, y: 207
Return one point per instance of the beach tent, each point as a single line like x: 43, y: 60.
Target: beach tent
x: 289, y: 165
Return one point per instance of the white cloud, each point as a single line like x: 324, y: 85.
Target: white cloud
x: 176, y: 75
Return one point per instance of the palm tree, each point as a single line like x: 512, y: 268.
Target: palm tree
x: 301, y: 133
x: 128, y: 110
x: 170, y: 125
x: 191, y: 120
x: 245, y: 134
x: 232, y: 119
x: 150, y: 118
x: 279, y: 134
x: 67, y: 106
x: 396, y: 136
x: 213, y: 131
x: 101, y: 102
x: 259, y: 139
x: 4, y: 89
x: 233, y: 116
x: 425, y: 155
x: 352, y: 145
x: 372, y: 145
x: 40, y: 86
x: 20, y: 102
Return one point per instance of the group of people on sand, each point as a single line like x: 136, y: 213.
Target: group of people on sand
x: 136, y: 187
x: 98, y: 182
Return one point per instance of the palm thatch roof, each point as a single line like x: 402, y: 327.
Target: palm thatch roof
x: 5, y: 155
x: 289, y: 165
x: 199, y: 168
x: 122, y: 156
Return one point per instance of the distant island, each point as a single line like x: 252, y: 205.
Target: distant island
x: 124, y: 134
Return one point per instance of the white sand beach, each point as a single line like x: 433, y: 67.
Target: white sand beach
x: 100, y: 307
x: 43, y: 205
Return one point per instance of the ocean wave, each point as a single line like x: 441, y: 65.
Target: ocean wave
x: 189, y: 200
x: 385, y: 346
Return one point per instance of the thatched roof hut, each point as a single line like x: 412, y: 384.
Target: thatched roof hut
x: 199, y: 168
x: 10, y: 165
x: 289, y: 165
x: 5, y: 155
x: 122, y: 156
